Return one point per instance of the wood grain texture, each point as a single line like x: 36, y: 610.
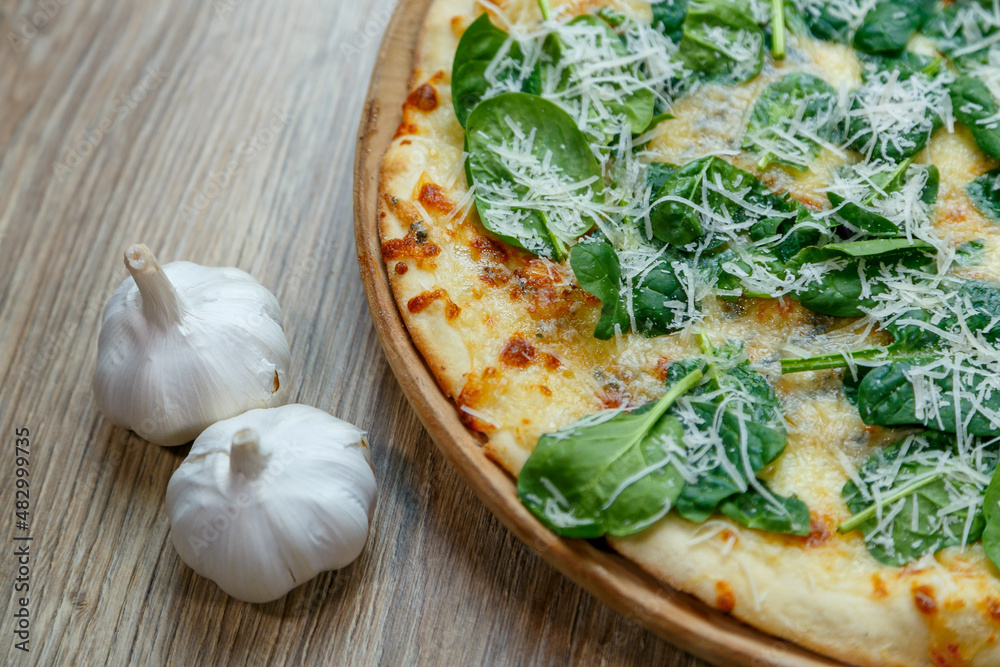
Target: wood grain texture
x: 182, y: 90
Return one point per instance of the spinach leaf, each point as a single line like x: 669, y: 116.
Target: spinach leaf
x: 755, y: 511
x: 598, y: 271
x: 985, y: 194
x: 607, y: 477
x: 991, y: 513
x: 789, y: 117
x: 526, y: 201
x: 733, y: 429
x: 977, y: 108
x: 838, y: 291
x: 612, y: 17
x: 620, y: 474
x: 653, y: 292
x: 668, y: 17
x: 893, y: 118
x: 722, y: 41
x: 890, y: 25
x: 657, y: 174
x: 887, y: 396
x: 926, y: 490
x: 915, y: 333
x: 571, y: 76
x: 708, y: 184
x: 904, y: 65
x: 481, y: 45
x: 750, y: 391
x: 882, y: 194
x: 746, y: 448
x: 964, y: 31
x: 972, y: 253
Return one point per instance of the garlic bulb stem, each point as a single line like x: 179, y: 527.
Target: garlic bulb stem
x: 245, y: 457
x: 161, y: 304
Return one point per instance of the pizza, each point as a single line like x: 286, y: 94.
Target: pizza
x: 718, y: 282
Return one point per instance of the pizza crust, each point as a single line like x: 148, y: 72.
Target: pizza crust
x: 508, y: 338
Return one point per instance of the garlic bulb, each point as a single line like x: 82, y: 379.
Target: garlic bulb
x: 183, y: 346
x: 267, y: 500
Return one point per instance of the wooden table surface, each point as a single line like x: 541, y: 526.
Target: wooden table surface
x: 222, y: 133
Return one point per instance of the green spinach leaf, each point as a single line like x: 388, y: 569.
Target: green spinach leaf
x: 972, y: 253
x: 709, y: 184
x: 652, y: 291
x: 976, y: 107
x: 965, y: 31
x: 483, y: 48
x: 991, y: 514
x: 576, y: 74
x: 598, y: 271
x: 866, y: 202
x: 721, y: 41
x: 893, y: 117
x: 985, y: 194
x: 789, y: 117
x: 746, y: 448
x: 655, y: 294
x: 890, y: 25
x: 887, y: 396
x: 607, y: 477
x: 754, y: 510
x: 733, y: 429
x: 929, y: 496
x: 838, y: 291
x: 526, y: 201
x: 668, y: 17
x: 829, y: 21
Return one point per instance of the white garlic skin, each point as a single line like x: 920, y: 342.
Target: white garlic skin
x: 259, y: 523
x: 208, y: 346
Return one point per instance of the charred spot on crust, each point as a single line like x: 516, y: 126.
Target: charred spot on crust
x: 485, y: 247
x: 725, y: 599
x: 662, y: 368
x: 433, y: 198
x: 518, y: 352
x: 409, y: 247
x: 551, y: 361
x: 879, y: 589
x: 420, y: 302
x: 923, y: 597
x: 819, y: 531
x: 418, y: 231
x: 550, y: 295
x: 415, y: 244
x: 993, y: 608
x: 614, y: 397
x: 949, y: 656
x: 406, y: 128
x: 424, y: 98
x: 493, y: 276
x: 476, y: 388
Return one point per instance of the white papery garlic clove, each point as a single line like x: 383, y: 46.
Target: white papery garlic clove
x: 266, y: 501
x: 183, y: 346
